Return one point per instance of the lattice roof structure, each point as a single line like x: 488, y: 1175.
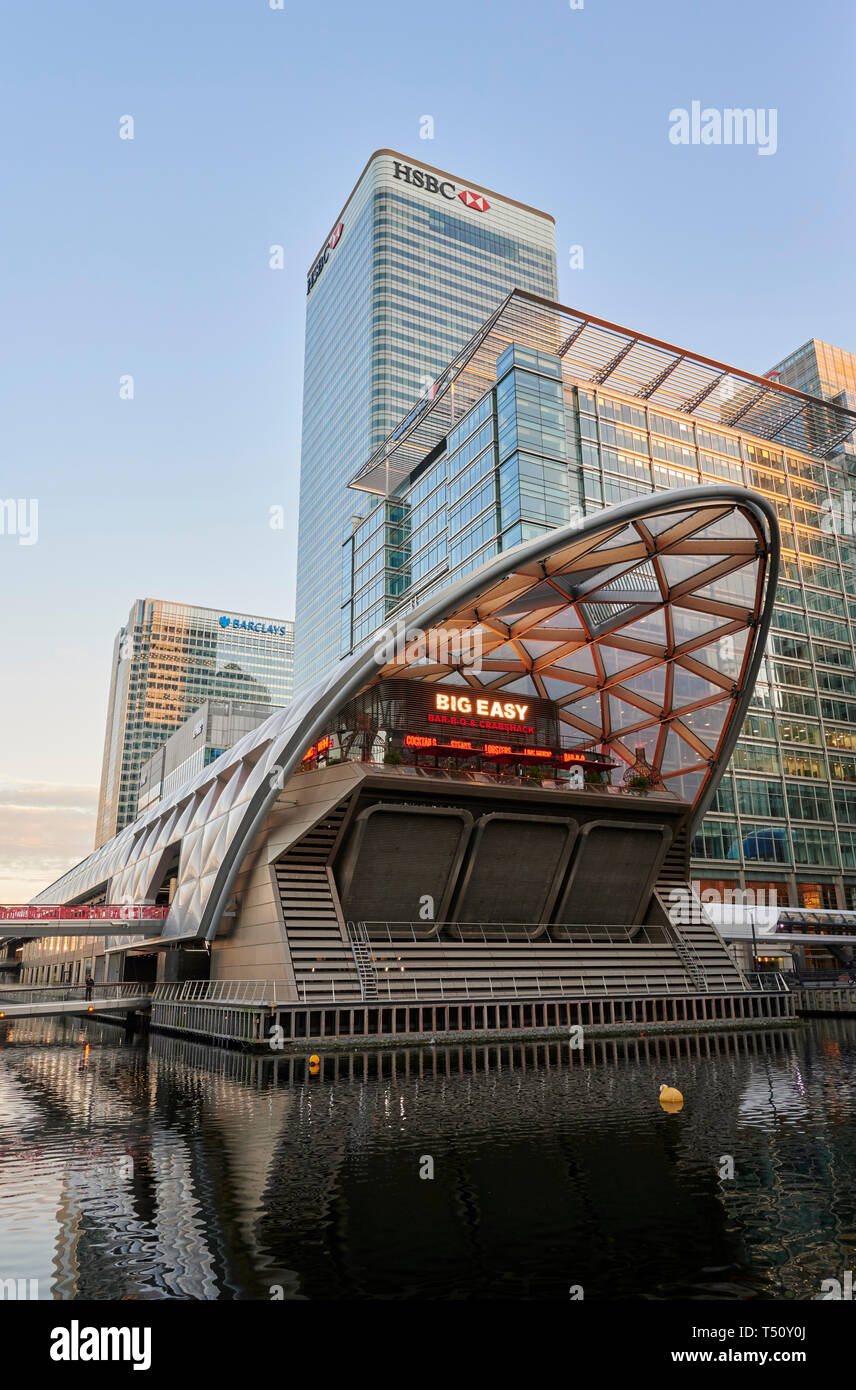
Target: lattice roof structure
x: 645, y: 624
x: 597, y: 352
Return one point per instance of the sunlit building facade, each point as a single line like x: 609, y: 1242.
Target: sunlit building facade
x: 821, y: 370
x: 414, y: 263
x: 557, y: 416
x: 167, y: 660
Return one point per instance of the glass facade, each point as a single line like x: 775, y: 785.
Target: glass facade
x: 414, y: 266
x: 821, y: 370
x: 541, y: 447
x: 211, y: 729
x: 167, y: 660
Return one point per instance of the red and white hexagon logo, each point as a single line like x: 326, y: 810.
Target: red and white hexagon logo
x: 336, y: 233
x: 473, y: 200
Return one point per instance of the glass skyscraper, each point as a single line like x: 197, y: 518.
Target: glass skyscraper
x: 559, y: 415
x: 415, y: 262
x: 821, y: 370
x: 167, y: 660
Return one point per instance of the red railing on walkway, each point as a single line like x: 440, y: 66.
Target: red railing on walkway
x: 82, y: 912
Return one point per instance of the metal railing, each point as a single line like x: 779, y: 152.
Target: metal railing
x: 768, y: 981
x: 82, y: 912
x: 513, y: 779
x: 492, y: 933
x: 542, y: 986
x: 214, y: 992
x: 820, y: 979
x: 63, y: 994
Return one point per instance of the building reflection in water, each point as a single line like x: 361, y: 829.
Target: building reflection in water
x: 169, y: 1169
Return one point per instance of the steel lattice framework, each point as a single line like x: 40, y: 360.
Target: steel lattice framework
x: 597, y: 353
x: 645, y: 624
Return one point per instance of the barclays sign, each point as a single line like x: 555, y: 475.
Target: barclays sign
x: 247, y: 625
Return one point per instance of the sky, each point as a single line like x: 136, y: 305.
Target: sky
x: 149, y: 258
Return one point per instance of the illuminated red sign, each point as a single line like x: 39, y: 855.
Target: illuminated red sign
x: 322, y: 746
x: 493, y: 709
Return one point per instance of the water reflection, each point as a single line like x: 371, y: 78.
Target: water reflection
x: 134, y: 1169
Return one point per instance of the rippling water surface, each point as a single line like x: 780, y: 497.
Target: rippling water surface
x: 161, y: 1168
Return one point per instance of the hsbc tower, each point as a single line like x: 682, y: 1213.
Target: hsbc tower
x: 413, y: 264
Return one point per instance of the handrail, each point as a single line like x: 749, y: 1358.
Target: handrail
x: 214, y: 992
x: 83, y: 912
x: 596, y: 933
x: 548, y: 984
x: 59, y: 993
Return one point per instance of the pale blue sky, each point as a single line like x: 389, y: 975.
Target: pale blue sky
x: 150, y: 257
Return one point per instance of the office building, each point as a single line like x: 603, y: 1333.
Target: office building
x: 167, y: 660
x: 821, y: 370
x: 209, y: 731
x: 414, y: 263
x: 556, y: 415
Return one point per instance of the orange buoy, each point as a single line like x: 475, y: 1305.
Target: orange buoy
x: 671, y: 1099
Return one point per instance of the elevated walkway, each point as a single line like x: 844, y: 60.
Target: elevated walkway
x: 22, y: 1001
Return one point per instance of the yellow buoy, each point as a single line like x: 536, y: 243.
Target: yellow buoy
x: 671, y: 1099
x: 315, y: 1060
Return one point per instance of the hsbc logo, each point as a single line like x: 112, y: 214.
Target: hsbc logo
x: 417, y: 178
x: 473, y: 200
x: 322, y: 260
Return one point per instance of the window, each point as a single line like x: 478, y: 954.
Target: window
x: 717, y: 839
x: 814, y: 846
x: 807, y: 802
x: 756, y: 758
x: 802, y: 764
x: 760, y: 798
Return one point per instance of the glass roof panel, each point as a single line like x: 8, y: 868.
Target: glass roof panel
x: 687, y: 785
x: 615, y: 660
x: 628, y: 535
x: 644, y: 741
x: 651, y: 627
x: 689, y: 623
x: 689, y: 687
x: 678, y: 754
x: 623, y: 715
x: 559, y: 690
x: 604, y: 576
x: 677, y: 568
x: 588, y: 710
x: 504, y: 652
x: 726, y: 654
x: 737, y: 587
x: 524, y: 685
x: 707, y: 723
x: 735, y: 524
x: 651, y: 684
x: 579, y: 660
x: 657, y: 524
x: 536, y: 649
x: 566, y: 619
